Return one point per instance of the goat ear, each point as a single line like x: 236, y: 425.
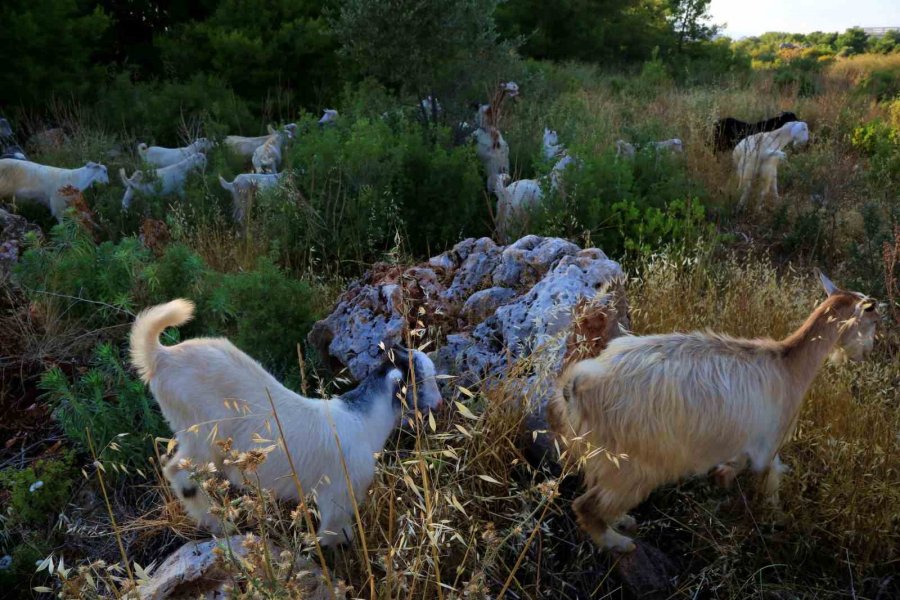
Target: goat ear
x: 829, y: 286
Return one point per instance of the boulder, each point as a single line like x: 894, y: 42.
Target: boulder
x: 486, y: 307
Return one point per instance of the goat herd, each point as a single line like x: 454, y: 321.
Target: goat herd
x: 675, y: 404
x: 758, y: 149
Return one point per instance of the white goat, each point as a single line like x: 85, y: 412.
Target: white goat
x: 514, y: 201
x: 766, y: 175
x: 754, y: 151
x: 165, y: 181
x: 246, y: 185
x: 329, y: 115
x: 267, y: 158
x: 679, y: 404
x: 159, y: 156
x: 493, y: 151
x: 244, y: 146
x: 551, y: 146
x: 559, y: 170
x: 32, y: 181
x: 193, y: 382
x: 431, y: 107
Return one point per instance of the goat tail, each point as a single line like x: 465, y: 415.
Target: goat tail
x: 148, y: 326
x: 225, y: 184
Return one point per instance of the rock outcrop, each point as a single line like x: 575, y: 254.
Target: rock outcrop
x: 13, y: 230
x: 486, y: 307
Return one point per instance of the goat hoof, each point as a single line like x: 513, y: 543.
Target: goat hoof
x: 628, y: 523
x: 613, y: 541
x: 724, y: 476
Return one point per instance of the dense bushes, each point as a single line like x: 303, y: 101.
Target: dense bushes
x: 101, y: 287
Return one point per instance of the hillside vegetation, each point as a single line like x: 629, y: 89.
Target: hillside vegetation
x: 456, y: 510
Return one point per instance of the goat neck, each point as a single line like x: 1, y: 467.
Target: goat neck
x: 807, y: 348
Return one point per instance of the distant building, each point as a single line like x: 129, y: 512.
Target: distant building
x: 879, y: 31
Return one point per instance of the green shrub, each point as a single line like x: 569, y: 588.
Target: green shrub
x: 625, y: 205
x: 266, y: 314
x: 113, y: 405
x: 883, y: 83
x: 164, y: 112
x: 36, y: 494
x: 364, y: 181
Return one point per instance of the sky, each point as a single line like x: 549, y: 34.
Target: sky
x: 753, y: 17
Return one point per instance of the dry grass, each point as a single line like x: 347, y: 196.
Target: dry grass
x: 456, y: 511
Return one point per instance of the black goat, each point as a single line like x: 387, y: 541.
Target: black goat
x: 729, y: 131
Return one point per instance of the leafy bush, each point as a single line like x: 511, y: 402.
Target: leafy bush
x: 49, y: 44
x: 36, y: 494
x: 269, y: 329
x: 882, y: 83
x: 110, y: 403
x: 164, y: 112
x: 625, y: 205
x: 364, y: 182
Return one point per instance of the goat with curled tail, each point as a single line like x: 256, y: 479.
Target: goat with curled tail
x: 680, y: 404
x: 192, y: 380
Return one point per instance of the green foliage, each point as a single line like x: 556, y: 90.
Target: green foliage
x: 256, y: 47
x: 36, y: 494
x: 161, y: 111
x: 852, y: 41
x: 364, y: 181
x: 48, y: 46
x: 882, y: 84
x: 422, y: 47
x: 33, y: 547
x: 624, y: 205
x: 604, y: 31
x: 71, y: 267
x: 269, y: 329
x: 113, y: 405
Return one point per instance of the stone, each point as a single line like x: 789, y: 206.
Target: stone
x: 13, y: 230
x: 487, y: 307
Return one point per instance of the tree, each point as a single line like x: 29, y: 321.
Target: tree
x: 416, y: 45
x: 853, y: 41
x: 885, y: 44
x: 689, y: 19
x: 257, y: 46
x: 596, y: 31
x: 48, y: 47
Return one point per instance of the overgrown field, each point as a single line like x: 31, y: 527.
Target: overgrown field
x: 456, y: 510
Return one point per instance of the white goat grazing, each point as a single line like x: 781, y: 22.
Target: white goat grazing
x: 165, y: 181
x: 267, y: 158
x: 244, y: 187
x: 514, y: 200
x: 329, y: 115
x: 244, y: 146
x: 679, y: 404
x: 551, y: 146
x: 754, y: 151
x: 193, y: 382
x: 493, y: 151
x: 32, y: 181
x: 158, y: 156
